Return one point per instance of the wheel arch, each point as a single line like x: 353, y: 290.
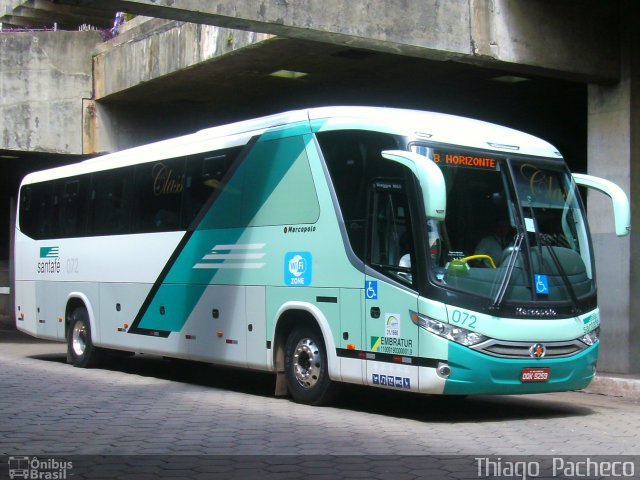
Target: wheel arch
x: 294, y: 314
x: 75, y: 300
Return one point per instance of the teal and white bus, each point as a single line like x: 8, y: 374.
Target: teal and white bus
x: 398, y: 249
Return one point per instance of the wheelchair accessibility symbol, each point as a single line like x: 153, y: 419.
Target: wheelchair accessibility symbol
x: 542, y: 284
x: 371, y: 289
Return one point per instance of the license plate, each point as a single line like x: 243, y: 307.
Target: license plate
x: 534, y: 374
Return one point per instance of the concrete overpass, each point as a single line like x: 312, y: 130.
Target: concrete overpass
x: 570, y: 38
x: 562, y: 70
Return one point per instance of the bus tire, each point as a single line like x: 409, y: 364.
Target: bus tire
x: 306, y: 367
x: 80, y: 347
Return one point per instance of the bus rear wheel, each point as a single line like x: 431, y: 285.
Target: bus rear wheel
x: 80, y: 348
x: 306, y: 367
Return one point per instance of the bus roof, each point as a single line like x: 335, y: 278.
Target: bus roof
x: 435, y: 127
x: 415, y: 124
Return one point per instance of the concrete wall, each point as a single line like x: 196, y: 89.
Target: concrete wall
x: 43, y: 78
x: 614, y: 153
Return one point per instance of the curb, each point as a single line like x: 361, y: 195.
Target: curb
x: 627, y: 386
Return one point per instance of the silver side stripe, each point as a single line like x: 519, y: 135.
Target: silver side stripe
x: 228, y: 265
x: 239, y: 246
x: 219, y: 258
x: 232, y: 256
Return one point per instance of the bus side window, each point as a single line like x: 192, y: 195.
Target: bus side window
x: 44, y: 210
x: 158, y: 198
x: 352, y: 158
x: 205, y: 175
x: 390, y: 245
x: 72, y: 212
x: 110, y: 202
x: 27, y: 215
x: 35, y: 208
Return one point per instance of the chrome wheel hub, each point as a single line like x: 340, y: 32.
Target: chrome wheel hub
x: 79, y: 338
x: 307, y: 363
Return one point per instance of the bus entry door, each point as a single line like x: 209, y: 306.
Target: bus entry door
x: 391, y: 336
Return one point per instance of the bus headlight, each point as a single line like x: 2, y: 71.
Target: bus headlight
x: 448, y: 331
x: 592, y: 337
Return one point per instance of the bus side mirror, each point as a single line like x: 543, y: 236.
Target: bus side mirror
x: 430, y: 178
x: 621, y: 211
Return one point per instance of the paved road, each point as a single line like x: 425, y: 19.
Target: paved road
x: 198, y: 421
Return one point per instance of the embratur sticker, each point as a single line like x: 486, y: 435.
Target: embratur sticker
x: 392, y: 325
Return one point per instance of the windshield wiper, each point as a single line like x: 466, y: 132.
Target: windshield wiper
x: 556, y: 261
x: 511, y: 263
x: 565, y: 279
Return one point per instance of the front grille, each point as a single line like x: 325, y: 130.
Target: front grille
x: 502, y: 348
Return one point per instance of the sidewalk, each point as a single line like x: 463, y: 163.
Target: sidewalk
x: 616, y: 385
x: 611, y: 384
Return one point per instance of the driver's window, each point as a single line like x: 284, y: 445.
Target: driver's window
x: 390, y: 240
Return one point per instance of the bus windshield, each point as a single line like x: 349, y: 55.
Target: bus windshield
x: 515, y: 230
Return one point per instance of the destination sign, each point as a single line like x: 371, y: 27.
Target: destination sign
x: 462, y: 160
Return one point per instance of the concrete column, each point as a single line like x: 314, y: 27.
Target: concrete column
x: 614, y: 153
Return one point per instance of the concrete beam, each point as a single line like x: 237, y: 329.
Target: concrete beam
x: 574, y: 39
x: 160, y: 48
x: 44, y: 13
x: 55, y: 8
x: 148, y: 57
x: 64, y: 14
x: 33, y: 17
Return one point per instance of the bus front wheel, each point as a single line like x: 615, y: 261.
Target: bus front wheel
x: 81, y: 350
x: 306, y: 368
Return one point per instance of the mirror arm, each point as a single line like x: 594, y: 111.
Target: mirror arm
x: 621, y: 210
x: 430, y: 178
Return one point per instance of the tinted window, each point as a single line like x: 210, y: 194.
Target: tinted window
x: 39, y: 210
x: 111, y: 193
x: 354, y: 160
x: 157, y: 197
x: 390, y: 238
x: 205, y: 175
x: 72, y: 194
x: 166, y: 195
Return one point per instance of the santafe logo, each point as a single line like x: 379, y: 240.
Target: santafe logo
x: 537, y: 351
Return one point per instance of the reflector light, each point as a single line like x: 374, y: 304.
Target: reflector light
x: 351, y: 346
x: 290, y: 74
x: 504, y: 146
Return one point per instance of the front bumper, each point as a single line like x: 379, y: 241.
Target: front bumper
x: 475, y: 373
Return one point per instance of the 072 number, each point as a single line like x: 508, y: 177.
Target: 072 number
x: 464, y: 319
